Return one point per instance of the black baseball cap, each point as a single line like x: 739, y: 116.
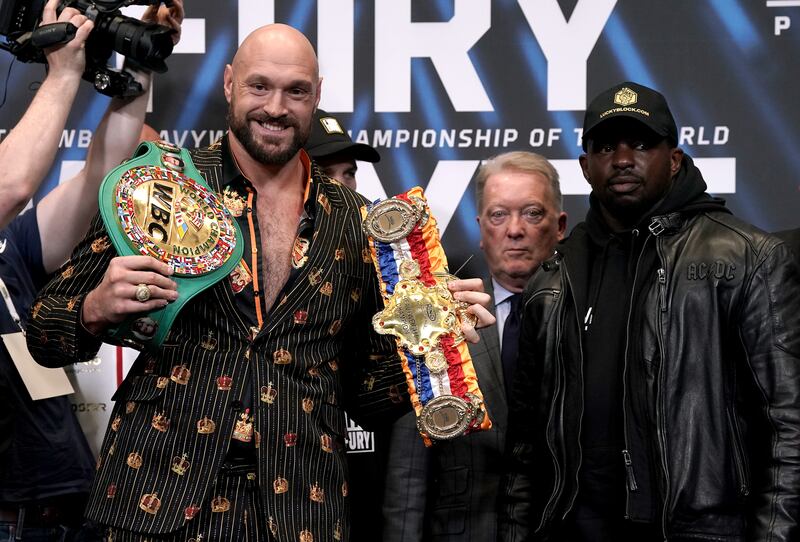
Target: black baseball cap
x: 631, y: 100
x: 329, y: 137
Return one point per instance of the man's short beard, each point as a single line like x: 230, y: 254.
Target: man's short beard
x: 276, y: 158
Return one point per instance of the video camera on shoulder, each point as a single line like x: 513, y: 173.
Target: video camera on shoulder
x: 146, y: 45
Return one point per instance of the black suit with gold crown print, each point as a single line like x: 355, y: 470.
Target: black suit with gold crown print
x: 175, y: 413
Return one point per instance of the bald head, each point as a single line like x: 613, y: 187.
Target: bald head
x: 278, y: 43
x: 272, y: 87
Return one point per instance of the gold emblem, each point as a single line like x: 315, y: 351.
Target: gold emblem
x: 162, y: 382
x: 150, y: 503
x: 333, y: 363
x: 290, y: 439
x: 391, y: 220
x: 268, y: 394
x: 316, y: 493
x: 111, y: 490
x: 180, y: 464
x: 299, y: 252
x: 335, y: 326
x: 625, y: 97
x: 345, y: 489
x: 130, y: 406
x: 134, y: 460
x: 366, y: 257
x: 220, y: 504
x: 116, y: 423
x: 308, y: 405
x: 281, y: 357
x: 280, y: 485
x: 326, y: 289
x: 233, y: 201
x: 355, y: 294
x: 337, y: 530
x: 100, y: 244
x: 173, y: 218
x: 447, y: 416
x: 306, y: 536
x: 206, y: 426
x: 436, y: 362
x: 180, y: 374
x: 243, y: 429
x: 273, y: 526
x: 160, y: 422
x: 67, y: 272
x: 339, y: 254
x: 72, y: 302
x: 418, y: 314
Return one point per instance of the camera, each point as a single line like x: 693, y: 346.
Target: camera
x: 145, y: 45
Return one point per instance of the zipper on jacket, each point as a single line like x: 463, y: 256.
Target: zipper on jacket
x: 662, y: 288
x: 630, y: 476
x: 660, y: 424
x: 629, y: 473
x: 571, y: 503
x: 557, y: 482
x: 738, y: 456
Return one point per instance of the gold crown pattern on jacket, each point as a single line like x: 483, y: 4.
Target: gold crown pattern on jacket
x: 316, y: 493
x: 280, y: 485
x: 180, y: 464
x: 160, y: 422
x: 220, y: 504
x: 180, y: 374
x: 268, y: 394
x: 206, y: 426
x: 150, y: 503
x: 134, y: 460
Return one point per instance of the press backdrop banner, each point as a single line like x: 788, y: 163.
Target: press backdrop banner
x: 439, y: 85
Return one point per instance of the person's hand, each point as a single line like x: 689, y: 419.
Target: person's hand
x: 171, y: 17
x: 67, y: 59
x: 470, y: 291
x: 115, y: 298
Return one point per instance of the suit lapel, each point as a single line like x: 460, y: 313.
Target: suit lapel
x: 487, y: 353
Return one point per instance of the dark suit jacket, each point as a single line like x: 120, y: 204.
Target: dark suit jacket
x: 449, y: 492
x: 153, y: 446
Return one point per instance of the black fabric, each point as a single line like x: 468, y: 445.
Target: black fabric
x: 46, y: 454
x: 510, y: 348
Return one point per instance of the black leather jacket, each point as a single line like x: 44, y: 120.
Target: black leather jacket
x: 719, y: 332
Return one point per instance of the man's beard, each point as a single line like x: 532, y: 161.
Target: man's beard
x: 258, y: 150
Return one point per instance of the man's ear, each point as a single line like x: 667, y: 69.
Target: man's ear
x: 227, y: 82
x: 675, y: 161
x: 562, y: 225
x: 584, y: 161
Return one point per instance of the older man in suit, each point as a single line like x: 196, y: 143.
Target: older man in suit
x: 448, y: 492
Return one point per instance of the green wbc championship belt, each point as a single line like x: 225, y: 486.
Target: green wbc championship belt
x: 157, y: 204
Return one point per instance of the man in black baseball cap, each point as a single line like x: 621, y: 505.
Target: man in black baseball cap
x: 331, y: 147
x: 660, y: 313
